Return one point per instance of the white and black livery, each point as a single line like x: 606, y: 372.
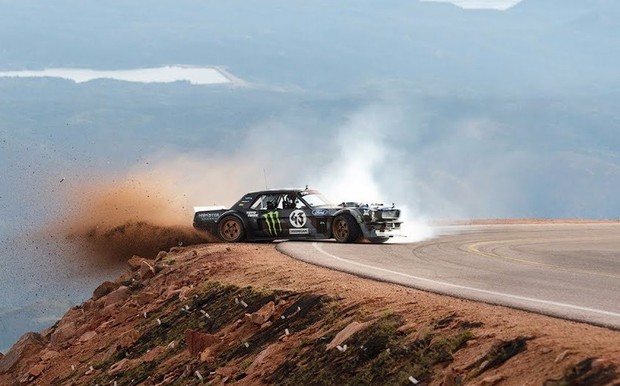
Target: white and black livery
x: 298, y: 214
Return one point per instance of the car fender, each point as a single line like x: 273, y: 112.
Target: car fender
x: 357, y: 215
x: 241, y: 216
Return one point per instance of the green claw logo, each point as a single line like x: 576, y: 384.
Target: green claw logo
x: 273, y: 222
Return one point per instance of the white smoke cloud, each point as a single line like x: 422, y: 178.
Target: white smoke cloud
x: 355, y: 164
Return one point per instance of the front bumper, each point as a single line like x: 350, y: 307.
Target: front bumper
x: 381, y: 229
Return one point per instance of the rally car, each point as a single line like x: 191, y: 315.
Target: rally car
x: 298, y: 214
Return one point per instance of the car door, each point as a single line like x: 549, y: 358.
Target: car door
x: 297, y: 223
x: 264, y: 217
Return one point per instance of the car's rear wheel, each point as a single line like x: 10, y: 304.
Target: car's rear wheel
x: 345, y: 229
x: 231, y: 229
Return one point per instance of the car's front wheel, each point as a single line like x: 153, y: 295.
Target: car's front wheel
x: 231, y: 229
x: 345, y: 228
x: 378, y: 240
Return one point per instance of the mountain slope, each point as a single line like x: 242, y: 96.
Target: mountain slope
x: 247, y: 315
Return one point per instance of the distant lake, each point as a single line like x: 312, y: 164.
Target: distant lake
x: 167, y: 74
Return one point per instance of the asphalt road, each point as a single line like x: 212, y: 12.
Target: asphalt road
x: 570, y: 271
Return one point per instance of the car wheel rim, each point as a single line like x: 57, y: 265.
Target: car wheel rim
x: 342, y: 230
x: 231, y: 230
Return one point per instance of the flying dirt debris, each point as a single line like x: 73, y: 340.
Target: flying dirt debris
x: 135, y: 217
x: 138, y: 238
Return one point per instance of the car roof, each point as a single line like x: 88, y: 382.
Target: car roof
x: 276, y: 191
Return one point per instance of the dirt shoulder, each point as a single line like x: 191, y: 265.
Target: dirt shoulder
x: 247, y: 314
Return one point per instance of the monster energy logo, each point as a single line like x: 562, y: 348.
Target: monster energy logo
x: 273, y: 222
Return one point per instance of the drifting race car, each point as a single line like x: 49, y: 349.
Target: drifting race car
x: 298, y: 214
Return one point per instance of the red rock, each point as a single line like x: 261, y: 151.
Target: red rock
x: 87, y: 336
x: 128, y: 338
x: 261, y: 358
x: 562, y: 356
x: 1, y: 355
x: 26, y: 347
x: 161, y: 255
x: 119, y: 366
x: 346, y: 333
x: 449, y: 378
x: 119, y: 295
x: 153, y: 354
x: 226, y: 372
x: 184, y: 292
x: 198, y: 341
x: 135, y: 262
x: 144, y: 298
x: 63, y: 332
x: 146, y: 270
x: 492, y: 380
x: 207, y: 355
x: 49, y: 354
x: 124, y: 364
x: 104, y: 288
x: 601, y: 363
x: 37, y: 370
x: 126, y: 313
x: 261, y: 316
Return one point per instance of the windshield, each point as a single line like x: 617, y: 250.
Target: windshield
x: 316, y: 199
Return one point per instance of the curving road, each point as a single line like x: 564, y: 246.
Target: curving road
x: 570, y: 271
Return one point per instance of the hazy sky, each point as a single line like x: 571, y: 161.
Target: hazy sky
x: 477, y: 4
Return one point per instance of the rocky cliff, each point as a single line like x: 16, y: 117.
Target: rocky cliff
x: 245, y: 314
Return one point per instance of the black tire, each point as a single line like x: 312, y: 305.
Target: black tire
x: 378, y: 240
x: 231, y: 229
x: 345, y: 229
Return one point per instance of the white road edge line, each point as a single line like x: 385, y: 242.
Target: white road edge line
x: 516, y: 297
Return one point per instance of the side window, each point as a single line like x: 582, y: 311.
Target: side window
x: 260, y: 203
x: 299, y: 204
x: 267, y: 202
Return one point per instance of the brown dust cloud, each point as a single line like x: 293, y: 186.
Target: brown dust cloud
x: 136, y: 216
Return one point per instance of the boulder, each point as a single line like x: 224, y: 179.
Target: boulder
x: 261, y: 316
x: 26, y: 347
x: 146, y: 270
x: 135, y: 262
x: 104, y: 289
x: 197, y: 341
x: 63, y: 332
x: 37, y: 370
x: 119, y: 295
